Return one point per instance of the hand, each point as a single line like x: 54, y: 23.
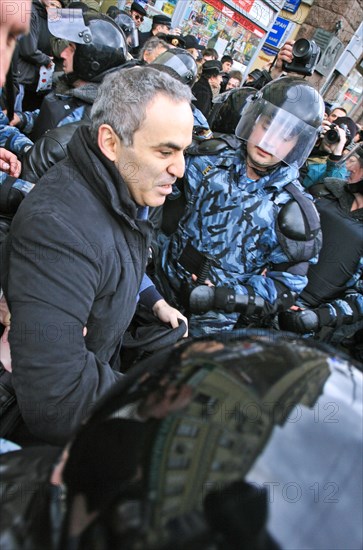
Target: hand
x: 4, y: 312
x: 338, y: 148
x: 206, y: 282
x: 5, y: 356
x: 168, y: 314
x: 325, y: 126
x: 9, y: 163
x: 285, y: 54
x: 15, y: 121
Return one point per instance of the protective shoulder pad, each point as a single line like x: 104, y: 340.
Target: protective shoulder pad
x: 298, y: 231
x: 214, y: 146
x: 291, y: 222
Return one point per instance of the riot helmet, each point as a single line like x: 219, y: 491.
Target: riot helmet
x: 127, y: 24
x: 227, y: 109
x: 283, y: 119
x: 100, y: 43
x: 354, y: 164
x: 182, y: 64
x: 180, y: 451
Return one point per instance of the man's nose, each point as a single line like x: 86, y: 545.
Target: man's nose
x: 177, y: 167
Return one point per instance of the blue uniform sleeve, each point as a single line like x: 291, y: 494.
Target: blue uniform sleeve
x: 13, y: 140
x: 148, y: 295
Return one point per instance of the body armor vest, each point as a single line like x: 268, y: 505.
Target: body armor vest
x: 339, y: 256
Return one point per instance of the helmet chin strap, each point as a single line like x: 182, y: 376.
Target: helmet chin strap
x: 70, y: 78
x: 355, y: 187
x: 257, y: 167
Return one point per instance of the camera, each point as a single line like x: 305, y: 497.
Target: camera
x: 305, y: 57
x: 332, y: 135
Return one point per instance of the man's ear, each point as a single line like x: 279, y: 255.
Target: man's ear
x: 107, y: 141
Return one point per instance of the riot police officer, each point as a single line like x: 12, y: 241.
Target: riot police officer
x: 247, y: 218
x: 96, y: 45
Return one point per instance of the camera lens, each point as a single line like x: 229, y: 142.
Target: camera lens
x: 332, y: 135
x: 301, y: 48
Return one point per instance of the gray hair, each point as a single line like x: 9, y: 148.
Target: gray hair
x: 124, y: 95
x: 151, y: 45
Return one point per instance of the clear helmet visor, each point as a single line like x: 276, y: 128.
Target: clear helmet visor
x: 276, y: 131
x: 127, y: 24
x: 221, y: 98
x: 69, y: 25
x: 354, y: 151
x: 353, y: 162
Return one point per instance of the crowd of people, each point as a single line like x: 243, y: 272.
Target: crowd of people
x: 124, y: 140
x: 147, y: 195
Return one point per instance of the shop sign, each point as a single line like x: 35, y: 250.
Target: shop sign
x: 168, y: 8
x: 245, y: 5
x: 246, y: 23
x: 291, y: 5
x: 277, y: 32
x: 256, y: 9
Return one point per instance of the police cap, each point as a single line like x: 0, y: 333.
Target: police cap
x: 162, y: 20
x: 138, y: 8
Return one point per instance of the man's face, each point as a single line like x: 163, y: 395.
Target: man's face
x: 215, y: 82
x: 67, y: 56
x: 273, y: 143
x: 336, y: 113
x: 233, y: 83
x: 155, y: 160
x: 162, y: 29
x: 194, y: 52
x: 137, y: 17
x: 226, y: 66
x: 355, y: 169
x: 150, y: 56
x: 52, y: 4
x: 14, y: 21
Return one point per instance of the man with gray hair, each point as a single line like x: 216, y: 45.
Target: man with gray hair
x: 76, y: 254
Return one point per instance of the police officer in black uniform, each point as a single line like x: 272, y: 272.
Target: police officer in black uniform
x: 160, y: 24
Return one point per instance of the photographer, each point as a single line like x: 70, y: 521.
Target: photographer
x: 323, y: 161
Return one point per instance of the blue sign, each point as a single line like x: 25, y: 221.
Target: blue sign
x: 277, y: 32
x: 269, y: 51
x: 291, y: 5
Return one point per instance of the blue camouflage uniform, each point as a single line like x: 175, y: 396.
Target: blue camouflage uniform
x: 233, y: 219
x: 201, y: 126
x: 11, y: 138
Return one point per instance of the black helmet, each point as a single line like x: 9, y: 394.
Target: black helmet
x: 182, y: 63
x: 292, y: 110
x: 227, y: 109
x: 113, y: 11
x: 100, y: 43
x: 197, y: 444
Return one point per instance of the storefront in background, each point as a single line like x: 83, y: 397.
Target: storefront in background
x: 237, y: 28
x: 221, y: 28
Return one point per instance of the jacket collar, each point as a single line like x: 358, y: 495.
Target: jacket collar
x: 337, y: 188
x: 103, y: 178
